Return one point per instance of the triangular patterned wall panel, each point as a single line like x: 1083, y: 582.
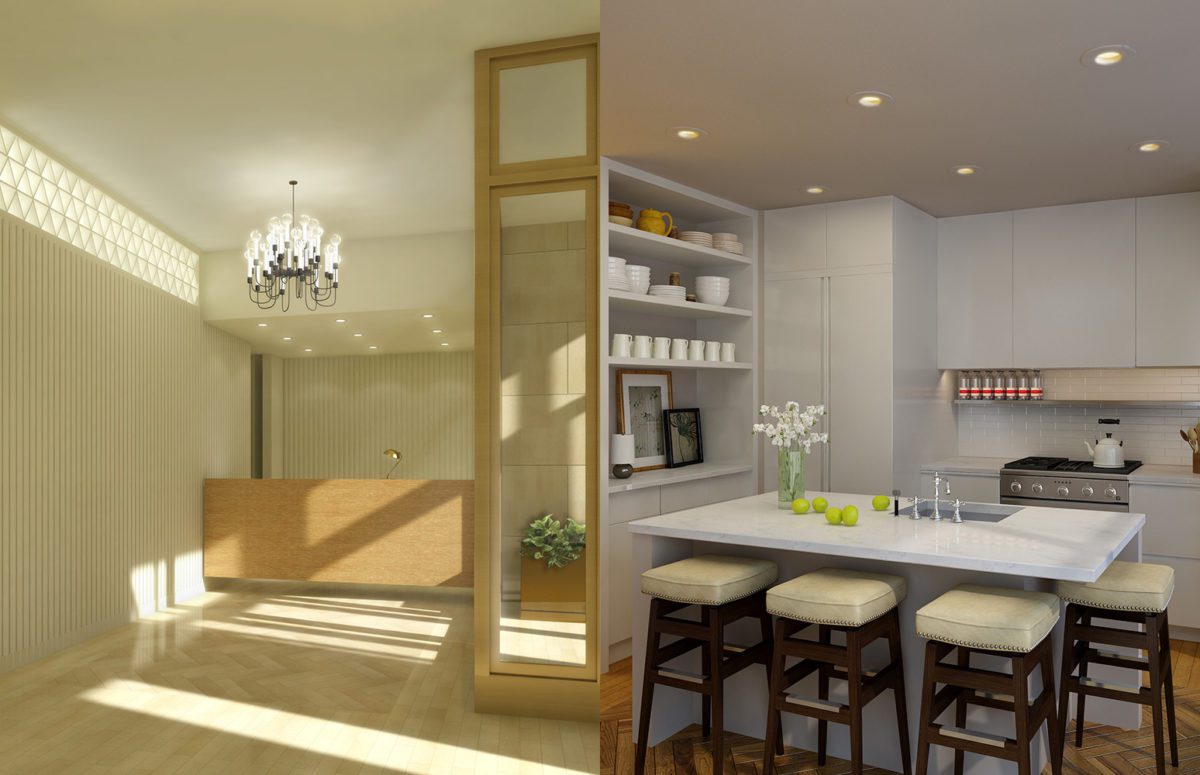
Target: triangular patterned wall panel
x: 41, y: 191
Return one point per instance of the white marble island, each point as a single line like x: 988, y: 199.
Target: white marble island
x: 1030, y: 549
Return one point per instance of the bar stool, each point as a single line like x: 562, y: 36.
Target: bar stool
x: 1007, y: 623
x: 1126, y: 592
x: 861, y: 605
x: 726, y: 589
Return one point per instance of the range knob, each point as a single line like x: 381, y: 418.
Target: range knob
x: 1015, y: 487
x: 1111, y: 492
x: 1088, y: 491
x: 1037, y: 489
x: 1063, y: 491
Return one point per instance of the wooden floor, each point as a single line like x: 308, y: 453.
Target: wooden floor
x: 1106, y: 751
x: 277, y: 680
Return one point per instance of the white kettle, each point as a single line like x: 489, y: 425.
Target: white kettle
x: 1108, y: 452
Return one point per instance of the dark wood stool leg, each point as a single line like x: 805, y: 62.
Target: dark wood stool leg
x: 823, y: 633
x: 1153, y: 641
x: 896, y: 655
x: 1021, y: 713
x: 705, y: 664
x: 1169, y: 688
x: 716, y: 645
x: 648, y: 673
x: 1065, y: 670
x: 1054, y: 731
x: 960, y: 711
x: 854, y: 674
x: 923, y: 722
x: 1081, y: 697
x: 774, y: 728
x: 764, y: 620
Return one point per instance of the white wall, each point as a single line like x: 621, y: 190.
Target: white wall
x: 116, y: 401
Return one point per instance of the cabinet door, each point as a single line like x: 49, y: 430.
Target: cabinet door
x: 859, y: 232
x: 1073, y: 286
x: 860, y: 383
x: 793, y: 344
x: 975, y: 291
x: 794, y: 238
x: 1168, y: 280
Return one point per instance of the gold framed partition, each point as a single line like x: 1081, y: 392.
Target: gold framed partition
x: 537, y: 380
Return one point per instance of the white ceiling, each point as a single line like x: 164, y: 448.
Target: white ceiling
x: 197, y: 114
x: 993, y: 84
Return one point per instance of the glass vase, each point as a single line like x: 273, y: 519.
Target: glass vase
x: 791, y: 476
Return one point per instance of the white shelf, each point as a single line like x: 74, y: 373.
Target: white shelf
x: 671, y: 363
x: 665, y: 476
x: 634, y: 244
x: 1084, y: 402
x: 658, y: 305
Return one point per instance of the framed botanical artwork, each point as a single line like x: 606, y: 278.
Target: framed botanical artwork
x: 642, y: 396
x: 685, y: 445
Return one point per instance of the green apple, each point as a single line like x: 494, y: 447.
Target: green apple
x: 800, y: 506
x: 819, y: 505
x: 881, y: 502
x: 850, y: 515
x: 834, y: 516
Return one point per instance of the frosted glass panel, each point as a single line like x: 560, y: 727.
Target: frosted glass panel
x: 543, y: 112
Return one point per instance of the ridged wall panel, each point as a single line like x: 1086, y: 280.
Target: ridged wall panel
x: 341, y: 413
x: 116, y: 401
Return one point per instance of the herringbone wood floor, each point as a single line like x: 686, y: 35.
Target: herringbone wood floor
x: 1106, y: 751
x: 269, y: 679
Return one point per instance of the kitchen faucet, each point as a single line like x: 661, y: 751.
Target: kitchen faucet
x: 937, y: 493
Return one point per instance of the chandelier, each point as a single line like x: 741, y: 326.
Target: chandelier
x: 289, y: 262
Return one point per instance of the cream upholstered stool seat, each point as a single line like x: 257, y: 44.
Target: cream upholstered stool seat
x: 1010, y: 623
x: 1134, y: 593
x: 862, y: 606
x: 726, y: 589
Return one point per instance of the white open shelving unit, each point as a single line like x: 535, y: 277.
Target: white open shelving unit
x: 725, y: 393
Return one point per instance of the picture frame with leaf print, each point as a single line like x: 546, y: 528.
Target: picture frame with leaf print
x: 685, y: 444
x: 642, y: 396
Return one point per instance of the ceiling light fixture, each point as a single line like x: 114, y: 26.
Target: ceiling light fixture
x: 340, y: 320
x: 427, y: 315
x: 870, y: 99
x: 816, y: 189
x: 287, y: 339
x: 1106, y: 56
x: 262, y: 325
x: 1149, y: 146
x: 445, y: 344
x: 358, y: 333
x: 291, y: 253
x: 307, y: 349
x: 437, y: 331
x: 966, y: 170
x: 372, y: 347
x: 688, y: 132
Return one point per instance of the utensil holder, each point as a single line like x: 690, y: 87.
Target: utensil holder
x: 1196, y: 462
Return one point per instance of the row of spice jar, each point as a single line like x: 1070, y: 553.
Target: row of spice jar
x: 1000, y: 385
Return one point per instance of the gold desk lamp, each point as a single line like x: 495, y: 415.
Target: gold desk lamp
x: 394, y: 455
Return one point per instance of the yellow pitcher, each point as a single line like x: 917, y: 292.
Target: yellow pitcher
x: 653, y: 222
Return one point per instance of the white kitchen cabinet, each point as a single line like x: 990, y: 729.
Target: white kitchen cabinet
x: 859, y: 232
x: 982, y: 488
x: 975, y: 292
x: 1172, y: 537
x: 1073, y: 285
x: 860, y: 380
x: 619, y: 584
x: 794, y: 239
x: 1168, y: 279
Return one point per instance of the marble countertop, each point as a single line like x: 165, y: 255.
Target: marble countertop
x: 1063, y: 544
x: 967, y: 465
x: 1155, y: 473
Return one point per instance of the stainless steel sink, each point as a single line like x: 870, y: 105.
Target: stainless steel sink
x: 971, y: 512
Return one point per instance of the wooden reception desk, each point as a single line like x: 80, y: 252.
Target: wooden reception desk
x: 366, y: 531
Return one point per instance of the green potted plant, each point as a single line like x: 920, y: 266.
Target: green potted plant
x: 553, y: 576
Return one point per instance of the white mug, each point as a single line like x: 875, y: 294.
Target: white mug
x: 621, y: 344
x: 696, y: 350
x: 641, y: 347
x: 712, y: 351
x: 679, y: 349
x: 727, y: 352
x: 662, y: 347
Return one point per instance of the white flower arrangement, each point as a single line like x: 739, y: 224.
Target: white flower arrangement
x: 792, y: 429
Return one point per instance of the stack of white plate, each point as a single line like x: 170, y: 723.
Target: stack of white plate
x: 676, y: 292
x: 639, y: 277
x: 617, y: 279
x: 728, y: 242
x: 712, y: 290
x: 702, y: 238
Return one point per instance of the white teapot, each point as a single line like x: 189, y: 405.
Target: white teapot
x: 1108, y: 452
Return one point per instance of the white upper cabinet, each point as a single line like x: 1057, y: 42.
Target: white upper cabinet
x: 794, y: 239
x: 1073, y: 286
x: 1168, y: 280
x: 975, y: 291
x: 859, y: 233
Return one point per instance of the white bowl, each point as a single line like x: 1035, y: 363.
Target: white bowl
x: 620, y: 220
x: 709, y: 297
x: 714, y: 279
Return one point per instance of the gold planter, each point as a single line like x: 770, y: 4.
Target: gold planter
x: 553, y: 590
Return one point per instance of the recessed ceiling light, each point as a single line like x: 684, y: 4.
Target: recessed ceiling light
x: 287, y: 339
x: 340, y: 320
x: 445, y: 344
x: 1106, y: 56
x: 870, y: 99
x: 262, y: 325
x: 437, y: 331
x: 307, y: 349
x: 815, y: 189
x: 372, y: 347
x: 427, y: 315
x: 358, y: 333
x: 966, y: 169
x: 688, y: 132
x: 1149, y: 146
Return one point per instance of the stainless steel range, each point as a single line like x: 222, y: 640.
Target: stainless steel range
x: 1066, y: 484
